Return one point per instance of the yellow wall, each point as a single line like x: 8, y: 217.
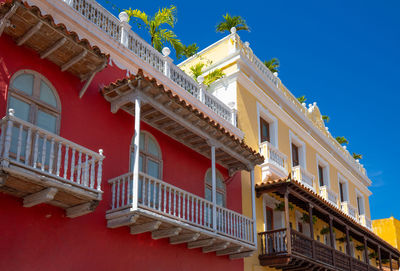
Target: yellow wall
x: 388, y: 229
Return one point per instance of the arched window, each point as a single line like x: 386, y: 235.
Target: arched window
x: 221, y: 189
x: 150, y: 160
x: 35, y: 100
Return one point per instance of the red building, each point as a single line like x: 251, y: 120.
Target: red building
x: 111, y: 157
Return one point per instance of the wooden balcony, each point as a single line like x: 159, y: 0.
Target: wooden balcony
x: 275, y: 163
x: 304, y: 253
x: 170, y: 212
x: 42, y: 167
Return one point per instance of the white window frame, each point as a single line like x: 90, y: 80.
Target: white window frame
x: 341, y: 179
x: 359, y: 194
x: 263, y: 113
x: 270, y: 202
x: 294, y: 139
x: 325, y: 168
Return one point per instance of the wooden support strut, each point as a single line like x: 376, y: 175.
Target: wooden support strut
x: 149, y: 226
x: 310, y: 214
x: 165, y: 233
x: 90, y: 78
x: 289, y: 241
x: 332, y: 240
x: 4, y: 21
x: 74, y: 60
x: 43, y: 196
x: 81, y: 209
x: 184, y: 238
x: 201, y: 243
x: 29, y: 33
x: 53, y: 48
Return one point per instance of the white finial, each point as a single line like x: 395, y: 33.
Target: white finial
x: 200, y: 79
x: 275, y: 74
x: 304, y: 104
x: 101, y: 152
x: 315, y: 103
x: 345, y: 147
x: 11, y: 112
x: 327, y: 129
x: 246, y: 44
x: 233, y: 30
x: 123, y: 17
x: 358, y: 161
x: 166, y: 51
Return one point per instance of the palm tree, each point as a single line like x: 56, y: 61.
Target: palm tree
x: 325, y: 118
x: 187, y: 51
x: 342, y: 140
x: 213, y: 76
x: 357, y: 156
x: 302, y: 99
x: 232, y: 21
x: 154, y: 25
x: 272, y: 64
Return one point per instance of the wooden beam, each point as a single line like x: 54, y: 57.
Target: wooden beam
x: 148, y: 112
x: 241, y: 255
x: 74, y: 60
x: 29, y: 33
x: 90, y: 79
x: 310, y: 214
x: 288, y: 235
x: 145, y: 227
x: 165, y: 233
x: 53, y: 48
x: 122, y: 221
x: 43, y: 196
x: 4, y: 21
x: 184, y: 238
x: 201, y: 243
x: 230, y: 250
x: 81, y: 209
x: 216, y: 247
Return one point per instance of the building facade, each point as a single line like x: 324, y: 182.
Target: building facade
x: 388, y: 229
x: 312, y: 204
x: 109, y: 159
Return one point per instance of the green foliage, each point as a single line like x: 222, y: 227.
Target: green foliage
x: 360, y: 247
x: 155, y: 26
x: 187, y: 51
x: 281, y: 206
x: 232, y: 21
x: 272, y: 64
x: 213, y: 76
x: 324, y: 231
x: 385, y: 261
x: 302, y: 99
x: 341, y: 239
x: 306, y: 218
x: 342, y: 140
x: 325, y: 118
x: 197, y: 70
x: 372, y: 255
x: 357, y: 156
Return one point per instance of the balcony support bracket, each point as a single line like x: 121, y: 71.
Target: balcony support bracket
x: 201, y: 243
x: 82, y: 209
x: 216, y: 247
x: 122, y: 221
x: 43, y: 196
x: 145, y: 227
x: 165, y: 233
x: 184, y: 238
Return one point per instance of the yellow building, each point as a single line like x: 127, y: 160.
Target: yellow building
x: 312, y: 204
x: 388, y: 229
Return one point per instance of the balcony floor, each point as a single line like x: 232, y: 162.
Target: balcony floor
x: 36, y: 187
x: 178, y: 232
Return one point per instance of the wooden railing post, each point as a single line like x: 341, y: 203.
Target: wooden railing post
x: 390, y: 262
x: 348, y: 251
x: 332, y: 239
x: 310, y: 213
x: 366, y: 259
x: 379, y: 257
x: 135, y: 185
x: 288, y: 237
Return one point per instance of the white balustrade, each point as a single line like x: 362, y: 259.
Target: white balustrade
x: 302, y: 176
x: 328, y: 194
x: 43, y: 152
x: 365, y: 221
x: 273, y: 155
x: 348, y: 209
x: 168, y: 200
x: 121, y: 33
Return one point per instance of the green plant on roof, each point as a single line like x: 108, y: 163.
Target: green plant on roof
x: 232, y: 21
x: 325, y: 118
x: 302, y: 99
x: 197, y: 70
x: 342, y: 140
x: 272, y: 64
x: 357, y: 156
x: 187, y: 51
x: 156, y: 26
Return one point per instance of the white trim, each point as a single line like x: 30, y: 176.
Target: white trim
x: 294, y: 139
x: 343, y: 180
x: 262, y: 112
x: 325, y: 165
x: 270, y: 202
x: 362, y: 211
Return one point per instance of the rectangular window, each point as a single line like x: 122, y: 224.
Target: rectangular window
x: 295, y: 155
x: 269, y: 213
x: 360, y: 205
x: 264, y: 130
x: 321, y: 175
x: 341, y: 192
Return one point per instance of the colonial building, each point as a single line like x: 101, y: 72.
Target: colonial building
x: 312, y: 204
x: 110, y: 160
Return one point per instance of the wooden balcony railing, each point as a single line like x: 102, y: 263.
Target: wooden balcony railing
x: 164, y: 199
x: 274, y: 244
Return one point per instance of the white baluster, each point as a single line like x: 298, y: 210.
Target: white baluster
x: 3, y: 131
x: 123, y: 191
x: 148, y: 196
x: 159, y: 196
x: 8, y: 138
x: 192, y: 214
x: 44, y: 152
x: 174, y: 202
x: 169, y: 200
x: 118, y: 193
x: 73, y: 165
x: 19, y: 142
x: 36, y: 149
x: 51, y: 156
x: 66, y: 161
x: 78, y: 172
x: 165, y: 198
x: 197, y: 210
x: 92, y: 172
x: 58, y: 159
x: 86, y: 176
x: 201, y: 211
x: 99, y: 170
x: 113, y: 195
x: 183, y: 205
x: 154, y: 193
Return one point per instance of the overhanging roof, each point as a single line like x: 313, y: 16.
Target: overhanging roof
x: 174, y: 116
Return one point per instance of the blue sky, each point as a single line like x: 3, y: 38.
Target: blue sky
x: 342, y: 54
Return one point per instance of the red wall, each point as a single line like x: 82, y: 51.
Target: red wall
x: 42, y: 238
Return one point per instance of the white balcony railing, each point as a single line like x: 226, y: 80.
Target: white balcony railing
x: 302, y: 176
x: 44, y: 153
x: 273, y: 155
x: 170, y: 201
x: 116, y: 30
x: 328, y: 194
x: 348, y: 209
x: 365, y: 221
